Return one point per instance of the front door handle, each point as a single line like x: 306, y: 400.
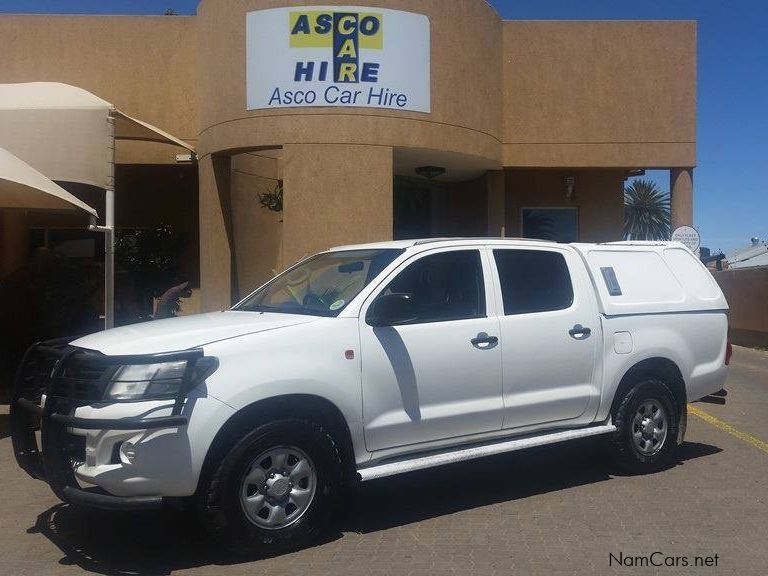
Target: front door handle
x: 580, y: 332
x: 483, y: 341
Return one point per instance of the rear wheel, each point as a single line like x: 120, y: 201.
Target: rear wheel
x: 274, y: 490
x: 647, y: 425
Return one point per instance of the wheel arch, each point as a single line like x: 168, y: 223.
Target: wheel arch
x: 294, y: 406
x: 662, y: 368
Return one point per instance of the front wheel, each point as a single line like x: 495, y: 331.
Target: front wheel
x: 647, y: 425
x: 274, y: 490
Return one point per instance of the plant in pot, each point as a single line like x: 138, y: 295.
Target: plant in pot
x: 273, y: 199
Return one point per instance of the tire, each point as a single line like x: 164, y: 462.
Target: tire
x: 251, y: 513
x: 647, y: 424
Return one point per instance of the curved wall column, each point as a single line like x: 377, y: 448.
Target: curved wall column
x: 335, y: 194
x: 465, y: 86
x: 257, y: 231
x: 681, y: 197
x: 337, y: 163
x: 216, y: 241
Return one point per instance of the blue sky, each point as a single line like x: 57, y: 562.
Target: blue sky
x: 730, y: 180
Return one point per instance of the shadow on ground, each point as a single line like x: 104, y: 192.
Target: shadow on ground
x: 159, y: 543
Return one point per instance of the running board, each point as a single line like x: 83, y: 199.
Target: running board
x: 462, y: 454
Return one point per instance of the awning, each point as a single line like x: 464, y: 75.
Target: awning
x: 69, y: 135
x: 21, y: 186
x: 66, y: 132
x: 128, y: 128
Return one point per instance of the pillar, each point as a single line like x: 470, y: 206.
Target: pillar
x: 14, y: 240
x: 681, y: 201
x: 257, y: 231
x: 494, y: 181
x: 335, y: 194
x: 216, y: 246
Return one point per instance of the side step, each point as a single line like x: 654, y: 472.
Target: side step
x: 462, y: 454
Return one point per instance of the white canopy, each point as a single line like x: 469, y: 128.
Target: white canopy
x: 67, y: 133
x: 21, y: 186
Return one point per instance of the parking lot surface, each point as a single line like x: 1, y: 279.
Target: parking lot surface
x: 558, y: 510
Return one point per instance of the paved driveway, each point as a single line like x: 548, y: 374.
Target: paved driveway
x: 554, y: 510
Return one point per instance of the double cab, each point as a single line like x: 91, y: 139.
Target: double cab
x: 368, y: 361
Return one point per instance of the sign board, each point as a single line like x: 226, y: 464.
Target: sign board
x: 342, y: 56
x: 688, y: 236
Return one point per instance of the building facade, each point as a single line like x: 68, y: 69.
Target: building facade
x: 380, y: 120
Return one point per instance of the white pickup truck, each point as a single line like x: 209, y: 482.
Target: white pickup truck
x: 368, y: 361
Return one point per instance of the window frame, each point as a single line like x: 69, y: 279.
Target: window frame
x: 373, y: 284
x: 522, y: 221
x: 522, y: 248
x: 489, y: 288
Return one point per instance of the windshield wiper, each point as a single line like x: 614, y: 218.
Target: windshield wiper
x: 260, y: 308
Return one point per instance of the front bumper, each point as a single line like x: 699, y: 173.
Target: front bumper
x: 51, y: 442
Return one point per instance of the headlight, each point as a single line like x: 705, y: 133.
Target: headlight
x: 147, y: 381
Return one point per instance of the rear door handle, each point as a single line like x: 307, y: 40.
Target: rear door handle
x: 580, y: 332
x: 484, y: 341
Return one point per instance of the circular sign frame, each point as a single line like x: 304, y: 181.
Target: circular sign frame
x: 688, y: 236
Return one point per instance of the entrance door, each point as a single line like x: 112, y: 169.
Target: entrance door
x: 438, y: 375
x: 412, y: 209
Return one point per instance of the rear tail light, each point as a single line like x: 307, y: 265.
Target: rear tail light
x: 728, y: 352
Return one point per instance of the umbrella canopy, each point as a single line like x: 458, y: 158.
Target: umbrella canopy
x: 21, y: 186
x: 68, y: 133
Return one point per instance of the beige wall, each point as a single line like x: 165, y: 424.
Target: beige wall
x: 745, y: 290
x: 598, y: 197
x: 599, y: 94
x: 466, y: 86
x: 337, y: 194
x: 144, y: 65
x: 257, y: 232
x: 218, y: 280
x: 521, y: 94
x: 530, y: 93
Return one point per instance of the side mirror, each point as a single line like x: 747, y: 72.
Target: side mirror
x: 391, y: 310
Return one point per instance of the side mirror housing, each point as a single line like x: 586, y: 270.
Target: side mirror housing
x: 391, y: 310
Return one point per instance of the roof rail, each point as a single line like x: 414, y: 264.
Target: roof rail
x: 480, y: 238
x: 639, y: 243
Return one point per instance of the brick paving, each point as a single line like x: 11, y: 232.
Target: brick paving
x: 556, y: 510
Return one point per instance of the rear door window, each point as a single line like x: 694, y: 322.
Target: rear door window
x: 533, y: 281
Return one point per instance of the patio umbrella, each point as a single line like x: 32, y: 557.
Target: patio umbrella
x: 69, y: 135
x: 21, y: 186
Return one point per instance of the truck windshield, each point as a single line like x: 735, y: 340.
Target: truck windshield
x: 322, y: 285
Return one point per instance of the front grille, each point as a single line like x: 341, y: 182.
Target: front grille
x: 83, y: 378
x: 36, y: 373
x: 80, y: 390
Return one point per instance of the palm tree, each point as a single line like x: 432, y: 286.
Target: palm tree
x: 646, y: 212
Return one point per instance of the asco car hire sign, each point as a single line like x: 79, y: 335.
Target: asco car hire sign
x: 338, y: 56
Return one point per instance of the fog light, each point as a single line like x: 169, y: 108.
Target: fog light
x: 127, y: 453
